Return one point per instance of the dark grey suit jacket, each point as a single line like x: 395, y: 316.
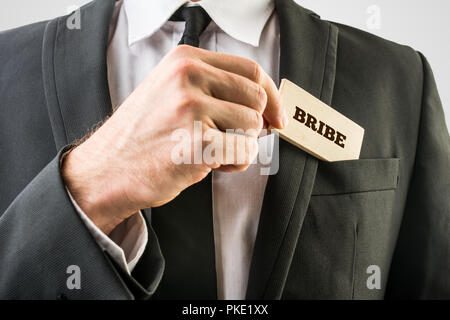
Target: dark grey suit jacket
x: 322, y: 224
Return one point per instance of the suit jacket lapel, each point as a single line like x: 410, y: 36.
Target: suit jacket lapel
x: 308, y: 48
x: 74, y: 71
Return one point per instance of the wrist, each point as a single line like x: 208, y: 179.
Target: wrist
x: 89, y: 186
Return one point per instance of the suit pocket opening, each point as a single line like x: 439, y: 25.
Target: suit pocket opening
x: 354, y: 176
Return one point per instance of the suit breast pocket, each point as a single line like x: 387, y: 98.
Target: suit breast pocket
x: 354, y: 176
x: 347, y: 228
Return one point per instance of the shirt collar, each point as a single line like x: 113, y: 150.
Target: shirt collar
x: 243, y: 20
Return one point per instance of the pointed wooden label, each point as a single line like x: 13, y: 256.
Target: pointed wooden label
x: 317, y: 128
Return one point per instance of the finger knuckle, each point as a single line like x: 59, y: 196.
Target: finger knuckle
x: 254, y: 122
x: 188, y: 101
x: 259, y: 121
x: 185, y: 67
x: 182, y: 50
x: 262, y: 98
x: 257, y: 72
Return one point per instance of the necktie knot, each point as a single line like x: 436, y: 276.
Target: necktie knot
x: 197, y: 19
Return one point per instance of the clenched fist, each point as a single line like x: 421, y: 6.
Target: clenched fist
x: 127, y: 164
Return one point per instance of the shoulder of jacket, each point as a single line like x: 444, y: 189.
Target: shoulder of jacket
x: 19, y: 44
x: 382, y: 52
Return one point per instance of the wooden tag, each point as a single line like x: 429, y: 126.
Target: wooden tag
x: 317, y: 128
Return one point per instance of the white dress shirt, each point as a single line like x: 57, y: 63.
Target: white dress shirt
x: 140, y: 36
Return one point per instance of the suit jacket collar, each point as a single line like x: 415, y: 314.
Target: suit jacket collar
x: 76, y: 89
x: 75, y: 74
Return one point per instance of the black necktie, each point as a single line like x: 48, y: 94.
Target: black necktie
x: 185, y: 225
x: 197, y: 19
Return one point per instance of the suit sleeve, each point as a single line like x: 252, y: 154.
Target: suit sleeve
x: 421, y: 263
x: 42, y: 236
x: 125, y: 244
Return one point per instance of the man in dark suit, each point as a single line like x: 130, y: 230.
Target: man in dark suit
x: 324, y: 228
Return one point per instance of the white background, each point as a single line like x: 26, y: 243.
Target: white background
x: 421, y: 24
